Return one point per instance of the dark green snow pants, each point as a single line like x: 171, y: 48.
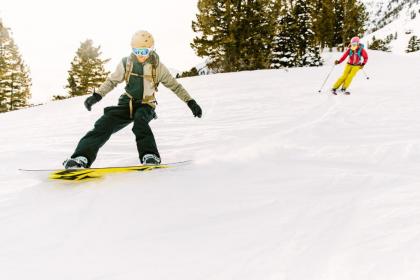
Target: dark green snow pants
x: 114, y: 119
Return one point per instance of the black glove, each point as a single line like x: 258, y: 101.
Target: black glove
x: 196, y: 110
x: 362, y: 65
x: 94, y: 98
x: 336, y: 62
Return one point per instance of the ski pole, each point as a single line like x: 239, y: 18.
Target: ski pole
x: 367, y: 77
x: 326, y: 79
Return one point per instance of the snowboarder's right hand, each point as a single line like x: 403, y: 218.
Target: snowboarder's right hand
x: 195, y: 108
x: 94, y: 98
x: 336, y: 62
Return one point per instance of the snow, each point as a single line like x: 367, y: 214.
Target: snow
x: 403, y: 25
x: 286, y: 183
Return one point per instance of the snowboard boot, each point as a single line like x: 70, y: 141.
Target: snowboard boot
x: 150, y: 159
x: 334, y: 91
x: 75, y: 163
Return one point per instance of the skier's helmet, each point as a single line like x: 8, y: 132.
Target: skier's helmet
x: 354, y: 43
x: 355, y: 40
x: 142, y: 39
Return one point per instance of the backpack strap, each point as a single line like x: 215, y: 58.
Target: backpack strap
x: 128, y: 66
x: 130, y: 104
x: 154, y: 62
x: 154, y: 78
x: 359, y: 52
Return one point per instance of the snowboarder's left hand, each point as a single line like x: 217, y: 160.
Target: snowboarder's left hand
x: 361, y: 66
x: 91, y: 100
x: 195, y: 108
x: 336, y: 62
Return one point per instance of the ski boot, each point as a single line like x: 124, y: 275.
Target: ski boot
x: 334, y: 91
x: 150, y: 159
x: 344, y: 91
x: 75, y: 163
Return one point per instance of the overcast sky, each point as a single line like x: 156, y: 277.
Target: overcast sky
x: 48, y: 33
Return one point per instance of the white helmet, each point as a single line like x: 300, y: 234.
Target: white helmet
x: 142, y: 39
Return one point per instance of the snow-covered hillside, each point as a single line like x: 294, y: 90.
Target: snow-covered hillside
x: 397, y: 18
x: 286, y: 183
x: 383, y: 12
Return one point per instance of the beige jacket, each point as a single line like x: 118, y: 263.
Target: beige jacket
x: 162, y: 76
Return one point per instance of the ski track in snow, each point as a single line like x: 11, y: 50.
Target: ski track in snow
x: 285, y: 183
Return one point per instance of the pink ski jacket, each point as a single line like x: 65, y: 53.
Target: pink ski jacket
x: 355, y: 56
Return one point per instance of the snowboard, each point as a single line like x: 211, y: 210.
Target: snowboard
x: 85, y: 174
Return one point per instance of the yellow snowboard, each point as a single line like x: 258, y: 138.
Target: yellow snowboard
x: 95, y: 173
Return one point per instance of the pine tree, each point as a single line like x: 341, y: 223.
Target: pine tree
x: 349, y: 20
x: 235, y: 34
x: 4, y: 41
x: 257, y: 30
x: 284, y: 51
x: 213, y: 24
x: 295, y: 43
x: 323, y: 23
x: 87, y: 70
x: 355, y: 17
x: 308, y: 53
x: 15, y: 82
x: 413, y: 44
x: 191, y: 73
x: 379, y: 45
x: 338, y: 23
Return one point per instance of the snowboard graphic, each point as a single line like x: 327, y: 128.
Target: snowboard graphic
x: 95, y: 173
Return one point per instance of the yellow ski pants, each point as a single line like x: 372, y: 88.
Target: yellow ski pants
x: 349, y: 72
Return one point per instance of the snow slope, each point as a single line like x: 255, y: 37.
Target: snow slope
x: 401, y: 23
x: 285, y: 184
x: 382, y: 12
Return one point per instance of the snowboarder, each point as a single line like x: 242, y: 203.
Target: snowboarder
x: 142, y: 71
x: 355, y: 52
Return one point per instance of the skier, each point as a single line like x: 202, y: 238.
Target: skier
x: 355, y: 52
x: 142, y: 71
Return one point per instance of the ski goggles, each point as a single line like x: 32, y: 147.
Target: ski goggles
x: 354, y: 46
x: 142, y: 51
